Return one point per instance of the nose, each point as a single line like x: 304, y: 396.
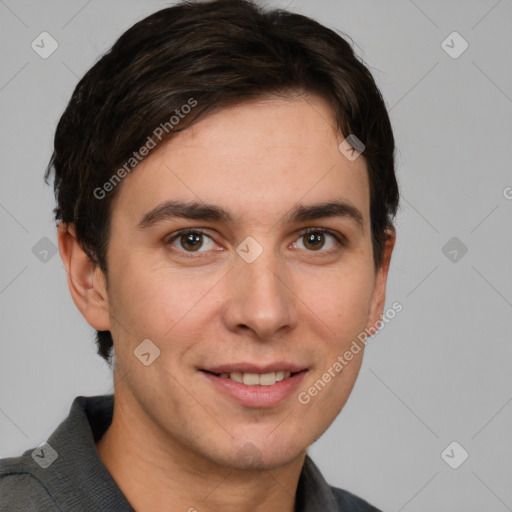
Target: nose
x: 260, y: 298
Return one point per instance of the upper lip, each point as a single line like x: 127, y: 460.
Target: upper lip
x: 255, y: 368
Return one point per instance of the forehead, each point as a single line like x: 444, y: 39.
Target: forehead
x: 257, y: 159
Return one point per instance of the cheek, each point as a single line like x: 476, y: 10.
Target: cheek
x: 138, y: 300
x: 156, y: 302
x: 340, y: 301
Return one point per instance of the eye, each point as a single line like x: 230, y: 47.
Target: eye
x: 316, y: 239
x: 191, y: 240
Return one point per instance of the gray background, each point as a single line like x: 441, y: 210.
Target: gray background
x: 439, y: 372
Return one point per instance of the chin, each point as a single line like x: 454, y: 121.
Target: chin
x: 260, y: 454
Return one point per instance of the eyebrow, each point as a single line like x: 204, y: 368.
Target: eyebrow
x: 326, y: 210
x: 194, y: 210
x: 184, y: 210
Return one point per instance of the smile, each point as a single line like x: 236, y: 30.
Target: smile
x: 251, y: 388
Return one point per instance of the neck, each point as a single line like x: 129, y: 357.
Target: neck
x: 156, y: 472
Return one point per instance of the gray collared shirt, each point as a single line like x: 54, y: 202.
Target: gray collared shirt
x: 66, y: 473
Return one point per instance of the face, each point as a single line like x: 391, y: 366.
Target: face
x: 268, y: 282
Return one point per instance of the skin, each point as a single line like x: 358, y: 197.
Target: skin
x: 176, y: 442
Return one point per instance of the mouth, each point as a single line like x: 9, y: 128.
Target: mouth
x: 253, y: 386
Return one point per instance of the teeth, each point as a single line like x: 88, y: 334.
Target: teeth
x: 237, y: 377
x: 283, y: 375
x: 267, y: 379
x: 280, y: 375
x: 257, y: 379
x: 251, y: 379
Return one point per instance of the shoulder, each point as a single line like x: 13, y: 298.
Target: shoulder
x: 21, y: 490
x: 346, y: 501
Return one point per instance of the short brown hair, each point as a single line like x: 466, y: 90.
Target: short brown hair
x: 219, y: 53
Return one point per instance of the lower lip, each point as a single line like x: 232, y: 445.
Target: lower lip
x: 257, y: 396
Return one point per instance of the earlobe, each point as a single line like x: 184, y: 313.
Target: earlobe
x: 85, y: 280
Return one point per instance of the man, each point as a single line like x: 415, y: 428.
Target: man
x: 225, y: 191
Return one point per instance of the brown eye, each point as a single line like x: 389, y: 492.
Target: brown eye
x: 314, y: 241
x: 191, y: 241
x: 319, y: 240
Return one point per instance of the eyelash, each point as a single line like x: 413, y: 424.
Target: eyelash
x: 340, y: 239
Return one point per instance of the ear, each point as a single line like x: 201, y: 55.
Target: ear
x: 86, y: 281
x: 379, y: 291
